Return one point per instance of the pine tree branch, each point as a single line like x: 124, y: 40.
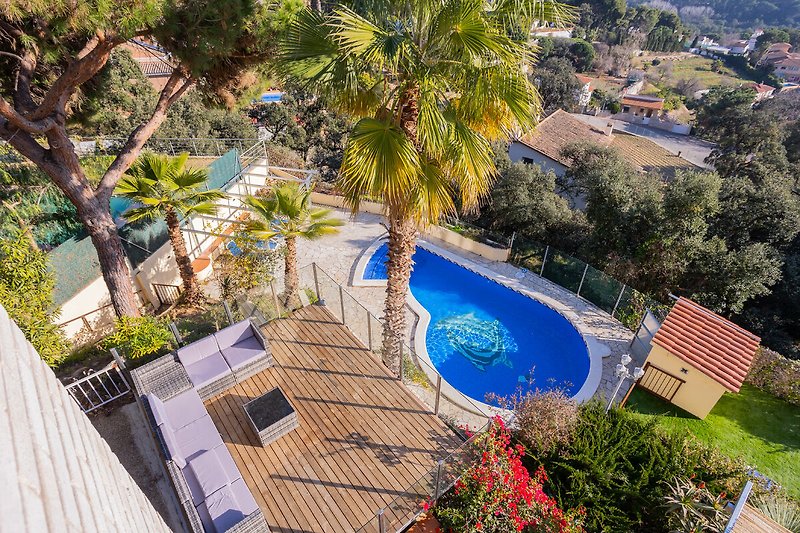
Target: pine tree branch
x: 90, y: 60
x: 175, y: 87
x: 17, y: 120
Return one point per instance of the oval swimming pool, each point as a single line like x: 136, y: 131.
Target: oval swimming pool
x: 484, y: 337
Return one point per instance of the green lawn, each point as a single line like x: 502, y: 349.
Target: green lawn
x: 694, y: 66
x: 754, y: 425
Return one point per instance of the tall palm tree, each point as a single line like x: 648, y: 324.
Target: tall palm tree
x: 432, y: 83
x: 163, y: 187
x: 287, y: 212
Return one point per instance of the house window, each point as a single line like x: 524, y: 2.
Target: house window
x: 626, y: 109
x: 527, y: 160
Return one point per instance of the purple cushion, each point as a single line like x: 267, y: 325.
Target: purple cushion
x: 158, y: 409
x: 234, y: 334
x: 210, y: 471
x: 171, y: 444
x: 198, y: 350
x: 244, y: 352
x: 207, y: 370
x: 184, y: 408
x: 227, y: 507
x: 197, y: 437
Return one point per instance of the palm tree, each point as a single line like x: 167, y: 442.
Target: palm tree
x: 287, y: 212
x: 162, y: 186
x: 432, y: 84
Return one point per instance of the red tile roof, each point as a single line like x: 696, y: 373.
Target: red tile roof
x: 761, y: 87
x: 717, y: 347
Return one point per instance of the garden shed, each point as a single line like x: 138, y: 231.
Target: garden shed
x: 695, y: 356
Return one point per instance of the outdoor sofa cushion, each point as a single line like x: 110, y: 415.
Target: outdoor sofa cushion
x: 208, y: 472
x: 234, y: 334
x: 180, y: 410
x: 198, y: 437
x: 243, y: 352
x: 207, y: 370
x: 198, y: 350
x: 227, y: 507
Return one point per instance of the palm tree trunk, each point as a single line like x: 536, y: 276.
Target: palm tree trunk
x: 291, y: 281
x: 402, y: 242
x: 191, y: 289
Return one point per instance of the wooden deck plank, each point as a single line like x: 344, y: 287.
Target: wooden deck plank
x: 363, y: 437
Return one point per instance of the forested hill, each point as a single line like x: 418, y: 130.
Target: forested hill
x: 734, y: 14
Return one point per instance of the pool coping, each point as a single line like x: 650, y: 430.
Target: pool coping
x: 596, y: 350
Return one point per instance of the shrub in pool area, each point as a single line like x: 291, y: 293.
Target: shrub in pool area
x: 546, y: 419
x: 619, y: 468
x: 138, y: 337
x: 498, y: 495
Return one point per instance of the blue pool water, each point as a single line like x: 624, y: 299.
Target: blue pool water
x: 118, y: 205
x: 486, y: 338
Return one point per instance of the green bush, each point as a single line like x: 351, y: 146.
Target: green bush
x: 26, y: 293
x: 777, y: 375
x: 618, y: 467
x: 138, y: 337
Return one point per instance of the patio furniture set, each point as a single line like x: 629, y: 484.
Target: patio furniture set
x: 172, y: 390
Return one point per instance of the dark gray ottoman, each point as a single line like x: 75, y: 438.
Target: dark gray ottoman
x: 271, y: 416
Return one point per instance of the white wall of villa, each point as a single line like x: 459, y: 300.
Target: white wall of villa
x: 57, y: 473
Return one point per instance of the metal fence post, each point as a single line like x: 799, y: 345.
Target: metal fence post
x: 613, y: 311
x: 227, y: 312
x: 369, y: 330
x: 582, y: 278
x: 118, y: 358
x: 316, y: 281
x: 438, y: 393
x: 341, y: 302
x: 544, y: 260
x: 175, y: 333
x: 439, y: 465
x: 275, y: 299
x: 381, y: 522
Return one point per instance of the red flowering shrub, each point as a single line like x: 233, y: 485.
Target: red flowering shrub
x: 498, y: 494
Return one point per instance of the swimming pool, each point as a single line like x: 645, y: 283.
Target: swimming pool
x: 484, y: 337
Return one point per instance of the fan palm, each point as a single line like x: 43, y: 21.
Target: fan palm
x: 163, y: 187
x: 287, y: 212
x: 432, y: 84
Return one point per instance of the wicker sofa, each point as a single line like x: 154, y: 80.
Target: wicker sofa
x: 231, y: 355
x: 209, y: 485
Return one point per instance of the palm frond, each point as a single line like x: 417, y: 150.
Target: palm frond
x: 136, y: 214
x: 471, y: 166
x: 379, y: 160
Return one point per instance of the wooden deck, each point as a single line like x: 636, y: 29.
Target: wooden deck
x: 363, y: 437
x: 752, y: 521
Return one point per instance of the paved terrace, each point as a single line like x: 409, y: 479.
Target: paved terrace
x: 363, y: 437
x: 337, y: 255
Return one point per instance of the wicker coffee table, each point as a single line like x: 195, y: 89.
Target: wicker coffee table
x: 271, y: 416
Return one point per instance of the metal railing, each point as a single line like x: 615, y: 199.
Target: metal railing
x: 99, y: 388
x: 166, y: 294
x: 195, y: 147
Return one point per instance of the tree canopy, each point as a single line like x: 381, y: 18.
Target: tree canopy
x: 51, y: 50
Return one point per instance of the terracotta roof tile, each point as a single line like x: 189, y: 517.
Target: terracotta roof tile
x: 561, y: 129
x: 717, y: 347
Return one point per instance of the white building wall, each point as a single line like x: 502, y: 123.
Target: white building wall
x: 56, y: 472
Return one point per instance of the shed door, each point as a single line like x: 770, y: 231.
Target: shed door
x: 661, y: 383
